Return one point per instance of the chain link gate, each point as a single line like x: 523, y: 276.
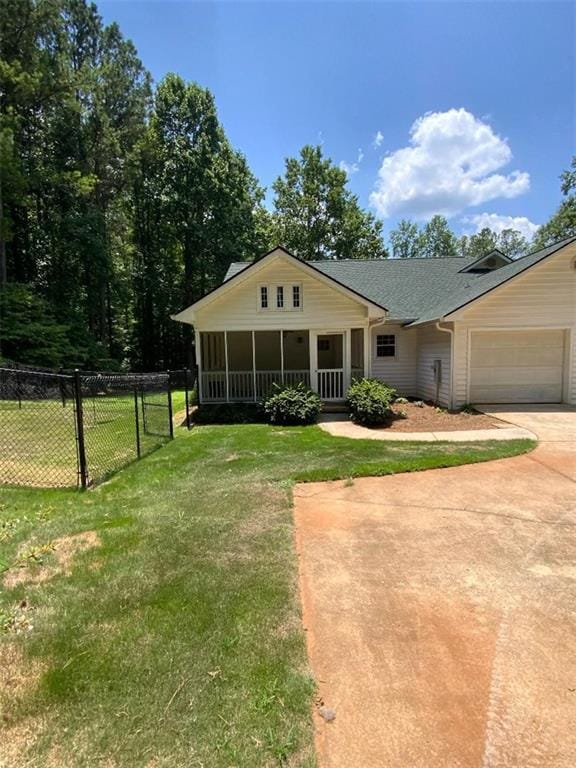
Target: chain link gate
x: 77, y: 428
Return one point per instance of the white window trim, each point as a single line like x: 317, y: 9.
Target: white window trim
x: 259, y: 306
x: 283, y: 307
x: 272, y: 289
x: 301, y: 292
x: 386, y: 357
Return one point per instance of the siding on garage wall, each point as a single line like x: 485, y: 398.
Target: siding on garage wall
x: 322, y: 305
x: 460, y: 365
x: 433, y: 345
x: 545, y: 296
x: 399, y: 371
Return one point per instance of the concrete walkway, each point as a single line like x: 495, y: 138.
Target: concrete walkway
x: 439, y: 609
x: 339, y: 425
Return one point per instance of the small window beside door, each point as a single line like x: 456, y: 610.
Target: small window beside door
x: 386, y: 345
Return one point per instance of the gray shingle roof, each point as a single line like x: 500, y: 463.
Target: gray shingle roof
x: 419, y: 290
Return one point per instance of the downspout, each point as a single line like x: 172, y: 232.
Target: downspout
x: 451, y: 382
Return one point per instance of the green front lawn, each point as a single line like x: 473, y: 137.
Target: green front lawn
x: 171, y: 637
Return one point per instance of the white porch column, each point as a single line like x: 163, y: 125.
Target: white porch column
x: 198, y: 350
x: 347, y: 359
x: 282, y: 356
x: 368, y: 352
x: 313, y: 348
x: 226, y: 359
x: 254, y: 363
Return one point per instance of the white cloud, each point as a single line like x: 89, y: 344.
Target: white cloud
x: 351, y: 168
x: 449, y: 165
x: 497, y: 223
x: 378, y: 139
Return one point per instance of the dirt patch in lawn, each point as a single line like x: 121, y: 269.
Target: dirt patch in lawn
x: 428, y: 418
x: 35, y: 565
x: 19, y: 675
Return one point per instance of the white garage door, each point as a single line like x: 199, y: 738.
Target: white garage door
x: 516, y: 366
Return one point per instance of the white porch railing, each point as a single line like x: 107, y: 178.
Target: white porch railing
x: 241, y: 384
x: 331, y: 383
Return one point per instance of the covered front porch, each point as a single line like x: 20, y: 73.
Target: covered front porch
x: 243, y: 366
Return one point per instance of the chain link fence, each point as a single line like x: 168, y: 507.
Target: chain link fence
x: 77, y: 428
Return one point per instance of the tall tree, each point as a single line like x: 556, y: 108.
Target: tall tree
x: 196, y: 209
x: 563, y: 222
x: 405, y: 240
x: 510, y: 242
x: 437, y: 239
x: 317, y: 217
x: 73, y: 99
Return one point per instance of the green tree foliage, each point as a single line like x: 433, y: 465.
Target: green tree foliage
x: 510, y: 242
x: 196, y: 205
x: 317, y: 217
x: 115, y: 209
x: 563, y: 222
x: 437, y: 239
x: 30, y: 331
x: 73, y: 101
x: 405, y: 240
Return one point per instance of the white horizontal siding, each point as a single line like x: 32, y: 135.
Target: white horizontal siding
x: 433, y: 345
x: 322, y: 305
x: 400, y: 371
x: 543, y: 297
x: 460, y: 364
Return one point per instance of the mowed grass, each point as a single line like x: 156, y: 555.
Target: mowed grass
x: 38, y: 438
x: 172, y: 637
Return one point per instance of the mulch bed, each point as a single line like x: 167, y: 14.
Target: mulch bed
x: 427, y: 418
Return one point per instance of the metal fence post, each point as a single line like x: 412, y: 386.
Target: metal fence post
x: 137, y: 420
x: 82, y: 466
x: 187, y: 395
x: 62, y: 387
x: 18, y: 389
x: 171, y: 425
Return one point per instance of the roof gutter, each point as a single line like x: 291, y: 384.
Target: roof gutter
x: 451, y: 381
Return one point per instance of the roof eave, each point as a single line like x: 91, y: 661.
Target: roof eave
x: 187, y: 315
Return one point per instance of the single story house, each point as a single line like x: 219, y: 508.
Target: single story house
x: 450, y: 330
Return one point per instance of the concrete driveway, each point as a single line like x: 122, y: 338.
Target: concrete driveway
x: 440, y: 610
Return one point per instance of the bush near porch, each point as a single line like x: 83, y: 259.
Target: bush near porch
x: 293, y: 405
x: 370, y: 402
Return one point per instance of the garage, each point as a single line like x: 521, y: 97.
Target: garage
x: 516, y: 366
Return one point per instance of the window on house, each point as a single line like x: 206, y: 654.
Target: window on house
x: 263, y: 297
x: 323, y: 345
x: 386, y: 345
x: 296, y: 296
x: 280, y: 297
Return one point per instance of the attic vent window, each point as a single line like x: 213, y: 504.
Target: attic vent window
x: 280, y: 297
x: 296, y: 296
x: 263, y: 297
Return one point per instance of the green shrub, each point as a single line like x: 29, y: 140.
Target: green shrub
x: 370, y: 402
x: 292, y: 405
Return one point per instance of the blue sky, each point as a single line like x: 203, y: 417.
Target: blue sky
x: 473, y: 102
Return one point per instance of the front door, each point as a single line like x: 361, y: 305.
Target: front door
x: 330, y: 365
